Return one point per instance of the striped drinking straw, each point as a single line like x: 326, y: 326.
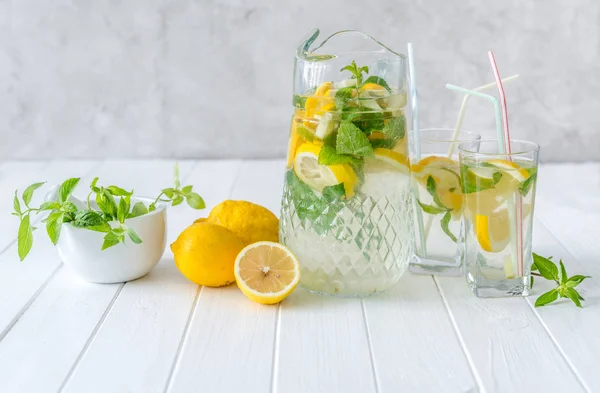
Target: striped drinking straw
x: 519, y: 204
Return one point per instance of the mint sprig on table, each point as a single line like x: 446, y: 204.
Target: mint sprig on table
x: 113, y: 209
x: 565, y: 285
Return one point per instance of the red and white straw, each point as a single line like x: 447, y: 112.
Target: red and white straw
x: 519, y: 204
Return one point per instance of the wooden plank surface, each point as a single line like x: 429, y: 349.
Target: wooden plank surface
x: 163, y: 333
x: 139, y: 339
x: 229, y: 345
x: 412, y: 337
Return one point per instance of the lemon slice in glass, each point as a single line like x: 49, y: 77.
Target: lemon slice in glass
x: 266, y: 272
x: 512, y: 169
x: 493, y: 231
x: 317, y: 176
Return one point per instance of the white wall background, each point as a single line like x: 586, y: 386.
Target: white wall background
x: 212, y: 78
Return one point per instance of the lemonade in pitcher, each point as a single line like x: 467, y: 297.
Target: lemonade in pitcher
x: 346, y: 207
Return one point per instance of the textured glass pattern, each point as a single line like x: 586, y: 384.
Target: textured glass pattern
x: 364, y: 249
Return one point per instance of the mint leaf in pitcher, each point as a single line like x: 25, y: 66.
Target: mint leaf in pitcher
x: 351, y: 140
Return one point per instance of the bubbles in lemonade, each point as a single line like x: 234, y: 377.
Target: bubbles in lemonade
x: 346, y: 207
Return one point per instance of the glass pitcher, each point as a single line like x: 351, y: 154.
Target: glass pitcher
x: 346, y: 206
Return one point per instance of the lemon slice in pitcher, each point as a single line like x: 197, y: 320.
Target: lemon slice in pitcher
x: 266, y: 272
x: 317, y: 176
x: 387, y: 159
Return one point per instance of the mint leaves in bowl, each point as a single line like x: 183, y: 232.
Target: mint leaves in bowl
x: 110, y: 237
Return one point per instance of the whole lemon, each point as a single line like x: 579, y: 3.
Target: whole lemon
x: 205, y: 254
x: 251, y: 222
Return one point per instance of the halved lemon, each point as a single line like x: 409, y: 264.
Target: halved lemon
x: 266, y: 272
x: 386, y: 159
x: 317, y: 176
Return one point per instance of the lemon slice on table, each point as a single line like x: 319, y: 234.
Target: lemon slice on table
x: 386, y: 159
x: 266, y: 272
x: 317, y: 176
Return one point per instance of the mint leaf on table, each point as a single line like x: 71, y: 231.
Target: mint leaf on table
x: 24, y: 237
x: 28, y: 193
x: 572, y: 294
x: 547, y: 298
x: 378, y: 81
x: 575, y: 280
x: 329, y: 156
x: 429, y: 209
x: 351, y: 140
x: 66, y: 189
x: 565, y: 286
x: 445, y: 224
x: 546, y: 267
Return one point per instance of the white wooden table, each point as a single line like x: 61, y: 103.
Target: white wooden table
x: 161, y: 333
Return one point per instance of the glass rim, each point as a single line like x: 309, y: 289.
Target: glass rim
x: 476, y: 136
x: 534, y: 147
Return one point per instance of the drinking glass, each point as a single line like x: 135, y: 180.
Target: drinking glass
x: 438, y: 202
x: 346, y: 210
x: 498, y: 197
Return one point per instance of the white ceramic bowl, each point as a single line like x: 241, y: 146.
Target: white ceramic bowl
x: 81, y: 249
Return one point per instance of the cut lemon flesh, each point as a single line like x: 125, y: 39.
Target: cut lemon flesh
x: 433, y: 162
x: 386, y: 159
x: 512, y: 169
x: 266, y: 272
x: 317, y: 176
x: 493, y: 231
